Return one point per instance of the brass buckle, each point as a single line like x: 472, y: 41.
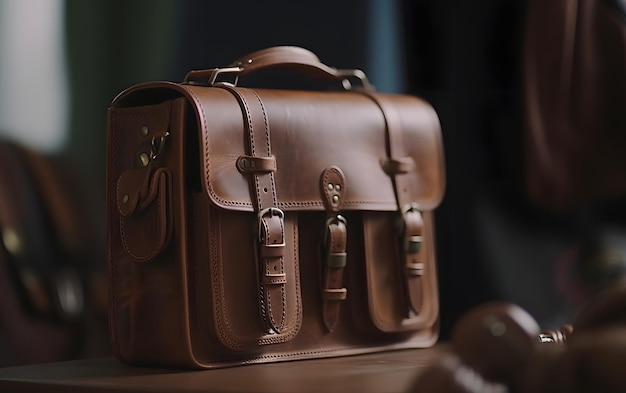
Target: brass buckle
x: 213, y: 74
x: 270, y: 211
x: 225, y: 71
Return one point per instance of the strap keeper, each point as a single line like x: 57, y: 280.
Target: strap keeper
x: 252, y: 164
x: 336, y: 260
x: 272, y: 250
x: 335, y: 294
x: 413, y: 244
x: 397, y: 166
x: 415, y: 269
x: 274, y: 279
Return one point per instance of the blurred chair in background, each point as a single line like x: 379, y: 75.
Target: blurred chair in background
x: 52, y: 297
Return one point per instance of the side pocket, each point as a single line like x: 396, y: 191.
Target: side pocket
x: 235, y: 282
x: 145, y: 221
x: 386, y: 286
x: 140, y: 181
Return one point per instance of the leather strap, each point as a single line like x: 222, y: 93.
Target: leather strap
x: 333, y: 291
x: 332, y: 187
x: 291, y: 57
x: 397, y: 165
x: 413, y: 265
x: 271, y: 223
x: 248, y: 164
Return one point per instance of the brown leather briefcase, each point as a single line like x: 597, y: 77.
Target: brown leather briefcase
x: 262, y: 225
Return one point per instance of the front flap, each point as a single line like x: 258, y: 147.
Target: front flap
x: 310, y: 132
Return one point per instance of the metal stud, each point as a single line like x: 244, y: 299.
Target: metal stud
x: 125, y: 199
x: 330, y: 186
x: 338, y: 187
x: 335, y: 198
x: 144, y: 131
x: 144, y: 158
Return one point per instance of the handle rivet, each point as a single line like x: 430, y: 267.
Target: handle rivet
x: 335, y: 198
x: 125, y: 199
x: 144, y: 131
x: 330, y: 186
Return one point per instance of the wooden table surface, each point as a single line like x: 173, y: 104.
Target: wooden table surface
x: 381, y: 372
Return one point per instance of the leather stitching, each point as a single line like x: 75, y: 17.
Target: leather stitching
x: 207, y: 168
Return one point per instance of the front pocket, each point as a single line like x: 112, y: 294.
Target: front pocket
x: 387, y: 287
x: 235, y: 277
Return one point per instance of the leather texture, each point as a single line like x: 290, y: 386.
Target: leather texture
x: 270, y: 225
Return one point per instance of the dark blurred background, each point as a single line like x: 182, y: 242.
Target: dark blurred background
x: 465, y: 57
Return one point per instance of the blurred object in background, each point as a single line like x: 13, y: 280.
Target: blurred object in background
x: 575, y: 133
x: 52, y: 293
x: 575, y: 102
x: 52, y: 305
x: 498, y: 347
x: 34, y: 101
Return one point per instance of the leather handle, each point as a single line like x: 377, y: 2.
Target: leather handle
x: 291, y: 57
x: 287, y: 57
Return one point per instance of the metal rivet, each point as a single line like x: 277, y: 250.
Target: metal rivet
x: 144, y: 131
x: 125, y: 199
x: 335, y: 198
x: 242, y: 164
x: 144, y: 158
x: 11, y: 241
x: 250, y: 61
x: 330, y: 186
x: 338, y: 187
